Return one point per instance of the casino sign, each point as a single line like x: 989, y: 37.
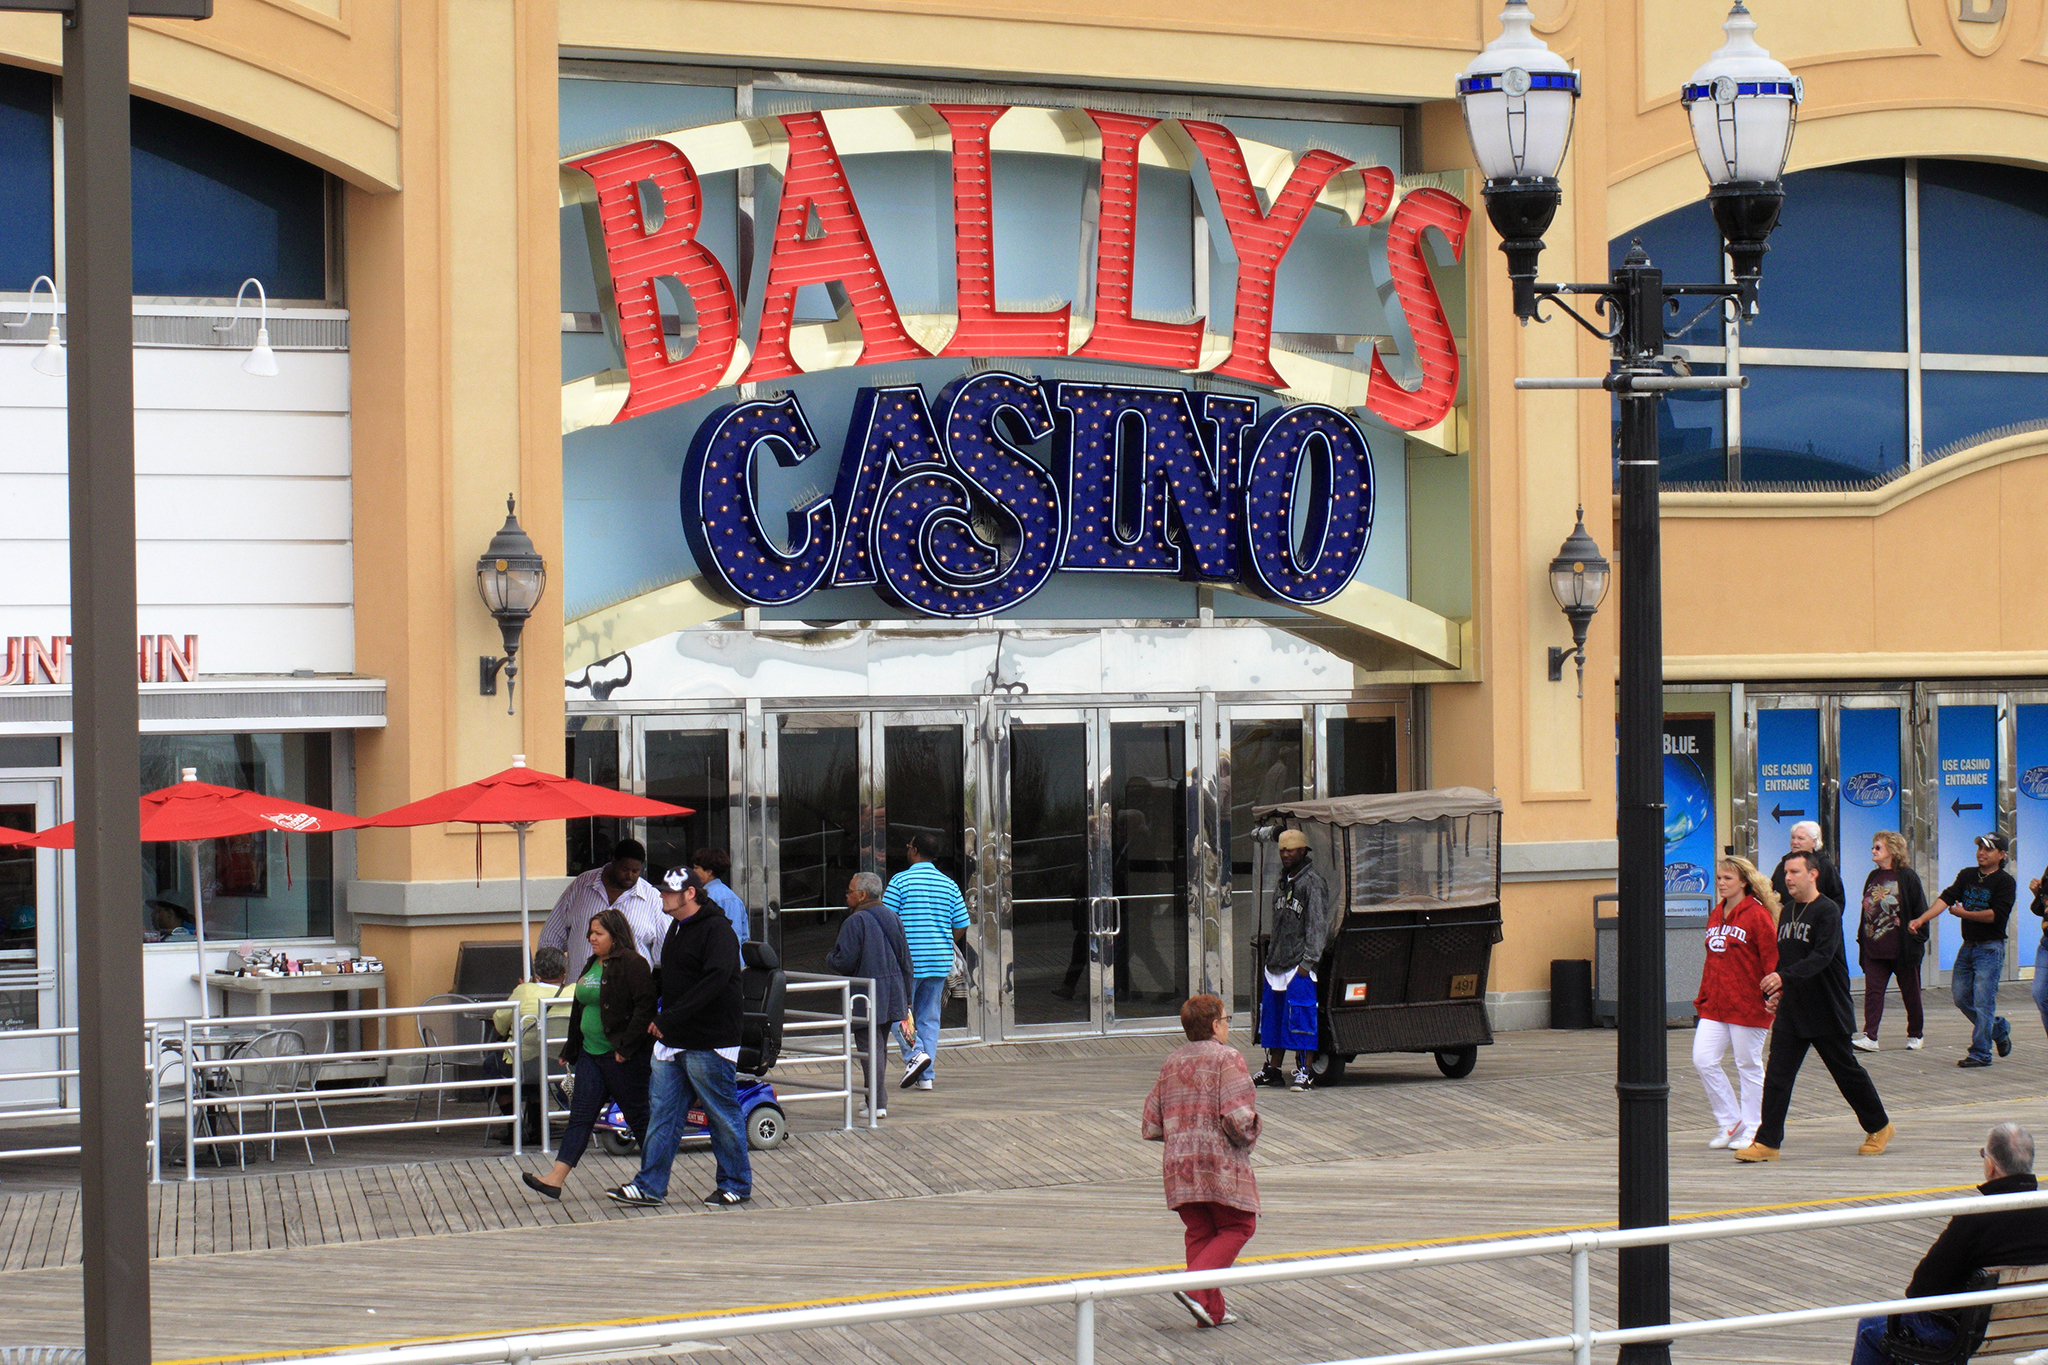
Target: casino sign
x: 964, y: 503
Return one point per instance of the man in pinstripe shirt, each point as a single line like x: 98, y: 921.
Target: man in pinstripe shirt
x: 934, y: 921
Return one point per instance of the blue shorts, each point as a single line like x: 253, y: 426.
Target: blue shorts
x: 1289, y: 1020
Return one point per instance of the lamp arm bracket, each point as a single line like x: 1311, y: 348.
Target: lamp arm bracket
x: 1603, y: 301
x: 1672, y: 306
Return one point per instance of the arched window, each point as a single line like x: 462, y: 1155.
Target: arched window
x: 213, y: 207
x: 1901, y: 322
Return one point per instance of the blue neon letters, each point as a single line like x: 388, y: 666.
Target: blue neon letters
x: 942, y: 508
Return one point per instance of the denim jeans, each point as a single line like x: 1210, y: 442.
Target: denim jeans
x: 926, y: 996
x: 2041, y: 980
x: 599, y: 1080
x: 1870, y: 1348
x: 1973, y: 983
x: 696, y: 1079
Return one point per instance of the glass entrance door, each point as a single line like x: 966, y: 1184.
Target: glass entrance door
x: 921, y: 787
x: 29, y: 945
x: 815, y: 831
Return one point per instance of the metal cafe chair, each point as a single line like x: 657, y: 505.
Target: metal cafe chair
x: 451, y: 1026
x: 270, y: 1085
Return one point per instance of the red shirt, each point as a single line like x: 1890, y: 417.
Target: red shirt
x: 1742, y: 949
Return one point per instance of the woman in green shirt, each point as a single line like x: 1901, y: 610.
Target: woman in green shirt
x: 608, y: 1045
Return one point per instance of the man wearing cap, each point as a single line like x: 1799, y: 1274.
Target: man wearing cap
x: 1982, y: 898
x: 1301, y: 924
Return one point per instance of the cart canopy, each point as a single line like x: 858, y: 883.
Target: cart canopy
x: 1426, y: 850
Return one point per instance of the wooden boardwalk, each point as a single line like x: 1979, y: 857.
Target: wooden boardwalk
x: 1024, y: 1163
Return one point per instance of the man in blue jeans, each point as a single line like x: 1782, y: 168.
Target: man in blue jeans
x: 1981, y: 897
x: 1970, y: 1242
x: 697, y: 1043
x: 934, y: 919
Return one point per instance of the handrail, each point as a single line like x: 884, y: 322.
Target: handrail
x: 1084, y: 1294
x: 152, y: 1036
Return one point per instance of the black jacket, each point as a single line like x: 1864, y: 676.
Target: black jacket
x: 1830, y: 880
x: 1816, y: 999
x: 1972, y: 1241
x: 625, y: 1004
x: 701, y: 1007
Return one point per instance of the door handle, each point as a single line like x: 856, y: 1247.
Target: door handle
x: 1108, y: 915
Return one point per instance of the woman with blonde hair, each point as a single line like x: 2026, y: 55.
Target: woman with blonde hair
x: 1742, y: 949
x: 1891, y: 937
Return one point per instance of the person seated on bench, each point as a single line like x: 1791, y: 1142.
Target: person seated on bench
x: 1970, y: 1242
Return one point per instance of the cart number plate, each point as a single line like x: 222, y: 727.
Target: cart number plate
x: 1464, y: 986
x: 1354, y: 993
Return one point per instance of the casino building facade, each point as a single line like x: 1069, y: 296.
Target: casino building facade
x: 1057, y: 430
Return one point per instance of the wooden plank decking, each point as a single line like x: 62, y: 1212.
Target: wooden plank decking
x: 1024, y: 1163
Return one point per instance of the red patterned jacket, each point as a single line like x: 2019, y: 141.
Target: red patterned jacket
x: 1742, y: 949
x: 1202, y: 1109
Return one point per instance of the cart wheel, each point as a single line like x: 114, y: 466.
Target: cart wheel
x: 766, y: 1128
x: 1326, y: 1068
x: 1457, y: 1062
x: 616, y: 1143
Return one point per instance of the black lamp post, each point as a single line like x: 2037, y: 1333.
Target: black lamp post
x: 1518, y: 99
x: 510, y: 577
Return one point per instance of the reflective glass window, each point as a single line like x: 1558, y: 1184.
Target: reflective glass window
x: 1808, y: 425
x: 1835, y: 278
x: 213, y: 208
x: 27, y: 165
x: 1983, y: 235
x: 1961, y: 409
x: 593, y: 757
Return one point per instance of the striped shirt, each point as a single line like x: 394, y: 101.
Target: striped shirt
x: 929, y: 904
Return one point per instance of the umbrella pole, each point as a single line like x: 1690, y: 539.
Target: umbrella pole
x: 525, y: 938
x: 199, y: 933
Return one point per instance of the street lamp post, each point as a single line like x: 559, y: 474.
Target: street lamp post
x: 1518, y: 100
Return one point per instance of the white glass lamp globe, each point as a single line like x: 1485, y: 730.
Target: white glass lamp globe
x: 1744, y: 104
x: 1519, y: 98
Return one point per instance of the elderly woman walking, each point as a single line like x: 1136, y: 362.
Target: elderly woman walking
x: 1202, y: 1108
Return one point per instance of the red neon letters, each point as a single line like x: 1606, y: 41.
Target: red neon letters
x: 1261, y: 239
x: 842, y: 255
x: 1435, y: 350
x: 982, y: 330
x: 1117, y: 335
x: 640, y: 254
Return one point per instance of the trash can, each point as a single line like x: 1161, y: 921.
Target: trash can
x: 1571, y: 993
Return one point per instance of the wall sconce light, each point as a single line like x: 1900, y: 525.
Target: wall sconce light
x: 1578, y: 580
x: 262, y: 360
x: 510, y: 577
x: 49, y: 360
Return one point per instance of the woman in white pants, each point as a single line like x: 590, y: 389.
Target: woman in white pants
x: 1742, y: 949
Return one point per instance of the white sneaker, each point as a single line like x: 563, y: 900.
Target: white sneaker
x: 1726, y: 1139
x: 1863, y: 1044
x: 862, y: 1112
x: 1915, y: 1044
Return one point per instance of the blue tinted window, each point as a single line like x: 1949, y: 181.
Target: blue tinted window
x: 1805, y: 425
x: 1961, y: 409
x: 1686, y: 246
x: 1692, y: 434
x: 27, y: 228
x: 1835, y: 278
x: 1983, y: 235
x: 213, y: 208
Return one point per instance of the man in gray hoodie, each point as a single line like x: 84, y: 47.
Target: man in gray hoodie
x: 871, y: 944
x: 1287, y: 997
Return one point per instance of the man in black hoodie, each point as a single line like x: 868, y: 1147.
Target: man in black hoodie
x: 1810, y: 995
x: 697, y: 1043
x: 1970, y: 1242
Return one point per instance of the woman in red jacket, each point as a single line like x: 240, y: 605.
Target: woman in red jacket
x: 1742, y: 949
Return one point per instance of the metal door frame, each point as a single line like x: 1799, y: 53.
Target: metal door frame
x: 1399, y: 710
x: 1310, y: 720
x: 874, y: 815
x: 1192, y: 755
x: 633, y: 777
x: 1000, y: 888
x: 52, y: 943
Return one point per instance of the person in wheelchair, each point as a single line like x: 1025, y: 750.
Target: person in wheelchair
x: 550, y: 982
x: 1969, y: 1243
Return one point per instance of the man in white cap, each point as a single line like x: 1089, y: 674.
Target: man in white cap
x: 1287, y: 1002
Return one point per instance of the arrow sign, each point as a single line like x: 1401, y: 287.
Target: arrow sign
x: 1957, y: 807
x: 1779, y: 813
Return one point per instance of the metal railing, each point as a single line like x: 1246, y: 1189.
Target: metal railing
x: 152, y: 1062
x: 1579, y: 1341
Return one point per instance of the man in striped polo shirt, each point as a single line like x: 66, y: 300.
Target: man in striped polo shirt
x: 934, y: 921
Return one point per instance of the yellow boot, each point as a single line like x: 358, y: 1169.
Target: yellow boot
x: 1756, y: 1151
x: 1875, y: 1143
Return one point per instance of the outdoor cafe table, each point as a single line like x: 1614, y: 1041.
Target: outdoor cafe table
x: 260, y: 991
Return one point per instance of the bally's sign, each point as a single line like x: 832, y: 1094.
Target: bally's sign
x: 940, y: 502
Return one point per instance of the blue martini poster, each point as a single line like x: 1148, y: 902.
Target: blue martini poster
x: 2030, y: 761
x: 1787, y: 778
x: 1965, y: 799
x: 1869, y: 751
x: 1689, y: 847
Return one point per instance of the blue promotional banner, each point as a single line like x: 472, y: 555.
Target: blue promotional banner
x: 1689, y: 847
x: 1869, y: 756
x: 1787, y: 778
x: 2030, y: 837
x: 1965, y: 799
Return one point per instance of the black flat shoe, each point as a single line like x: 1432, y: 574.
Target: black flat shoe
x: 539, y: 1186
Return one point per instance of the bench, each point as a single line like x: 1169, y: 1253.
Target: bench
x: 1992, y: 1330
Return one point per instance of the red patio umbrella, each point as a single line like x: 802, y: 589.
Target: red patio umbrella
x: 522, y: 797
x: 189, y: 811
